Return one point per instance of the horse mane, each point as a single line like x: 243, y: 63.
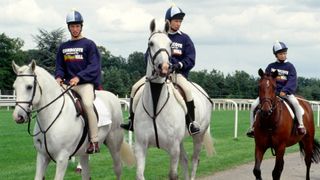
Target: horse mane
x: 44, y: 77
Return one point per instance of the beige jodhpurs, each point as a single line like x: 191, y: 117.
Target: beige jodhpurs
x: 184, y: 84
x: 86, y: 92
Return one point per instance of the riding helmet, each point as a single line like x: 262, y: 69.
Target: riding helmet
x: 74, y: 17
x: 174, y: 12
x: 279, y: 47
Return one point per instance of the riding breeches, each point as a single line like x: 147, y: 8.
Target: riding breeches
x: 298, y: 109
x: 254, y: 105
x: 137, y: 85
x: 86, y: 92
x: 184, y: 84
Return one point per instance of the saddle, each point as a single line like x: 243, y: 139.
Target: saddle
x: 79, y: 105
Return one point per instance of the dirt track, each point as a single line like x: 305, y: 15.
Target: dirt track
x: 294, y: 169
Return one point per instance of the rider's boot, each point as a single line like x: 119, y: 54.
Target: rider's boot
x: 190, y: 119
x: 129, y: 125
x: 301, y: 128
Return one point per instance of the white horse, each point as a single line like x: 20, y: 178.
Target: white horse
x: 58, y: 130
x: 165, y: 126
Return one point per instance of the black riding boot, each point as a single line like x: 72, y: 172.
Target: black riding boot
x: 190, y: 118
x: 129, y: 126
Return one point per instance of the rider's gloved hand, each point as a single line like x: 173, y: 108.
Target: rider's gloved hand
x: 176, y: 66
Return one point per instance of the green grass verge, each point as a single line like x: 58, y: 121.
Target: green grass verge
x: 18, y: 156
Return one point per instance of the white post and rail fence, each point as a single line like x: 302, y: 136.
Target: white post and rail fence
x: 8, y: 100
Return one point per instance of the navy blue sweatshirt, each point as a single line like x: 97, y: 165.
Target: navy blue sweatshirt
x: 287, y: 78
x: 182, y: 51
x: 79, y: 58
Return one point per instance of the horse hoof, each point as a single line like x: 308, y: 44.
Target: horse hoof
x: 78, y: 170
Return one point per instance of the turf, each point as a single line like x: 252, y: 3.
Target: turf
x: 18, y: 156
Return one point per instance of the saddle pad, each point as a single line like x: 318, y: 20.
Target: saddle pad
x: 103, y: 112
x: 289, y: 109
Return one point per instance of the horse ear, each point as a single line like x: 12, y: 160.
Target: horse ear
x: 15, y: 67
x: 260, y: 72
x: 152, y: 25
x: 167, y: 26
x: 33, y: 65
x: 275, y: 74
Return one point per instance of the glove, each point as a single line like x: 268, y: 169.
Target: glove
x: 176, y: 66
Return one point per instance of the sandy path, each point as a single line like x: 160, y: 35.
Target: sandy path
x: 294, y: 169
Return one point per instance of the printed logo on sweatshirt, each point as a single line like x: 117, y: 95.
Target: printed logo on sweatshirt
x: 282, y: 74
x: 72, y: 54
x: 176, y: 48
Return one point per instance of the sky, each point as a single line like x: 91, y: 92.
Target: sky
x: 229, y: 35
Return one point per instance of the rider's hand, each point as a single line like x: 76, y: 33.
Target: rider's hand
x: 176, y: 66
x: 282, y: 94
x: 59, y: 81
x: 74, y: 81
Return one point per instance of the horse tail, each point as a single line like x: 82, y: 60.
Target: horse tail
x: 316, y: 151
x: 208, y: 143
x: 127, y: 154
x: 315, y: 158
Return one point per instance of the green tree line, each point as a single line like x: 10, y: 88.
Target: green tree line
x: 119, y: 73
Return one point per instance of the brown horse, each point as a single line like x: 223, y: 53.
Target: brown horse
x: 274, y: 128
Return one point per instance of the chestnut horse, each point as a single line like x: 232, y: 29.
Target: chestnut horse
x: 274, y: 128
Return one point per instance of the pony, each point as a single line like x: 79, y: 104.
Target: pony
x: 274, y: 128
x: 58, y: 130
x: 160, y: 111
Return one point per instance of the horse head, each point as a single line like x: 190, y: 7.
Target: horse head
x: 25, y: 87
x: 159, y: 50
x: 267, y: 92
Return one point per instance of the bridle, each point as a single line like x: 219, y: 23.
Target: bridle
x: 152, y: 57
x: 270, y: 101
x: 35, y: 83
x: 37, y: 111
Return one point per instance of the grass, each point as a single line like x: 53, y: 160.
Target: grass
x: 18, y: 156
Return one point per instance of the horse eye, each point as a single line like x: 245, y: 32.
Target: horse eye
x: 29, y: 87
x: 150, y: 43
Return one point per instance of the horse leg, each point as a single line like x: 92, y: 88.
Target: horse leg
x: 174, y: 161
x: 42, y: 164
x: 140, y: 153
x: 85, y: 172
x: 114, y: 149
x: 62, y: 164
x: 307, y: 146
x: 197, y: 144
x: 184, y: 161
x: 276, y: 173
x: 259, y: 152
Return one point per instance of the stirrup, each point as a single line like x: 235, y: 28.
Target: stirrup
x: 196, y: 129
x: 128, y: 126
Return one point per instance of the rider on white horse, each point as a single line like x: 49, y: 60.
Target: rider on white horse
x: 286, y: 85
x: 182, y: 60
x: 78, y: 63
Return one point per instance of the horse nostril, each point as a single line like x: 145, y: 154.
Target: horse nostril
x: 160, y: 66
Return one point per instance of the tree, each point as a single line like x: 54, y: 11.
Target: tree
x: 47, y: 47
x: 136, y: 65
x: 10, y: 49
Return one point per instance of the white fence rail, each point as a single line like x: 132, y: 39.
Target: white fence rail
x: 218, y: 104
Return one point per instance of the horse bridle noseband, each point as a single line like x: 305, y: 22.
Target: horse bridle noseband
x: 270, y: 101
